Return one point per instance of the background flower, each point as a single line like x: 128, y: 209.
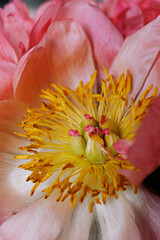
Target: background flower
x: 15, y: 27
x: 130, y: 16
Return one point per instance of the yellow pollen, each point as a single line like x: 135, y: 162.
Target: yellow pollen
x: 71, y: 139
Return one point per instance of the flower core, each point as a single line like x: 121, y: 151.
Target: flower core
x: 72, y: 135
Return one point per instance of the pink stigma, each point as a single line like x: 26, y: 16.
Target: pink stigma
x: 102, y: 119
x: 105, y: 131
x: 87, y: 116
x: 91, y: 133
x: 73, y: 132
x: 89, y: 128
x: 98, y: 130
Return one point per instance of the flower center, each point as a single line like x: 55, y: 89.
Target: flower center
x: 72, y: 138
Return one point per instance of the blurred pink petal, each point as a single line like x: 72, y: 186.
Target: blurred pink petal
x: 19, y: 8
x: 55, y: 61
x: 121, y: 146
x: 145, y: 151
x: 13, y: 28
x: 130, y: 16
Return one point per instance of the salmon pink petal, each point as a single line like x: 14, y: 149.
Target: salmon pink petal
x: 7, y: 52
x: 11, y: 113
x: 33, y: 74
x: 44, y: 219
x: 7, y: 70
x: 105, y: 39
x: 145, y: 151
x: 69, y: 53
x: 49, y: 11
x: 63, y: 60
x: 142, y: 48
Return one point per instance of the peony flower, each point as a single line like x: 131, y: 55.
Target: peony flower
x: 73, y: 143
x: 15, y: 27
x: 130, y: 16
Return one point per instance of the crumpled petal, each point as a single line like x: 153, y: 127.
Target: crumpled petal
x: 44, y: 219
x: 139, y: 55
x: 63, y: 60
x: 145, y: 151
x: 105, y: 39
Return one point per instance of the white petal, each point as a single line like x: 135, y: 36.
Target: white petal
x: 147, y: 213
x: 78, y: 223
x: 43, y: 220
x: 117, y: 220
x: 15, y: 191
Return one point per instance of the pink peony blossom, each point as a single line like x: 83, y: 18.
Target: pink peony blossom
x: 78, y: 39
x: 130, y: 16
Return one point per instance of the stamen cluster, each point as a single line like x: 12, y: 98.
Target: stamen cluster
x: 71, y: 139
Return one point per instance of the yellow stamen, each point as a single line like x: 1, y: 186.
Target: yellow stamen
x: 85, y: 163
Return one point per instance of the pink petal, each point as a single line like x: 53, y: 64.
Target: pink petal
x: 145, y: 151
x: 146, y: 207
x: 64, y: 60
x: 142, y: 48
x: 7, y: 52
x: 17, y: 7
x: 11, y: 113
x: 7, y: 70
x: 13, y: 28
x: 49, y: 11
x: 70, y: 56
x: 105, y: 39
x: 44, y: 219
x: 33, y: 74
x: 121, y: 146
